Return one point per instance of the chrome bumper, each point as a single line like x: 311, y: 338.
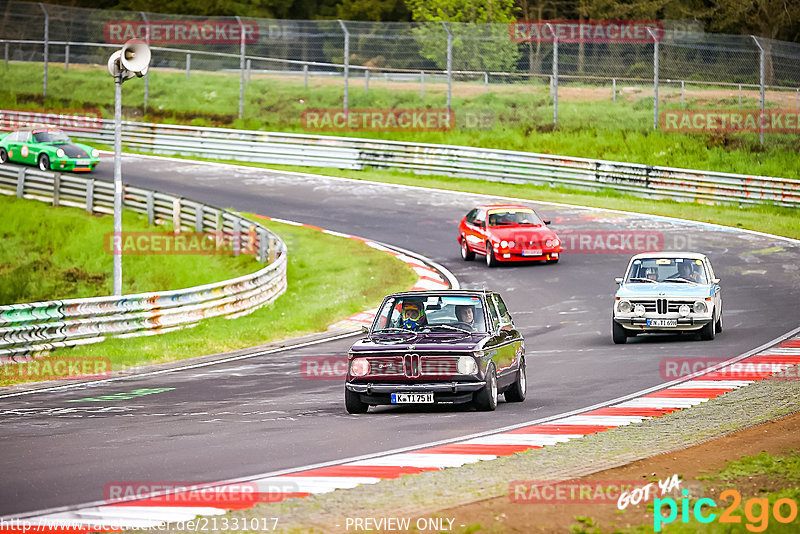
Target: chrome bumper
x: 435, y: 387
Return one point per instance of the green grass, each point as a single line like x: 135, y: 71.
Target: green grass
x: 787, y: 467
x: 51, y: 253
x: 523, y: 115
x: 329, y: 279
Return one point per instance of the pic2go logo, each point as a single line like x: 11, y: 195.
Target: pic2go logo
x: 757, y: 521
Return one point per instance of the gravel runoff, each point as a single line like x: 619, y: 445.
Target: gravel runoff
x: 426, y: 493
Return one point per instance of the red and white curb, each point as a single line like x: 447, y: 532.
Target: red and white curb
x: 430, y: 275
x: 699, y: 388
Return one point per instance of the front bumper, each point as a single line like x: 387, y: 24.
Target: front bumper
x: 502, y: 255
x: 443, y: 392
x: 685, y: 324
x: 71, y: 165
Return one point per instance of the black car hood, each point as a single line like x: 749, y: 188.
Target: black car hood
x: 422, y: 342
x: 71, y: 150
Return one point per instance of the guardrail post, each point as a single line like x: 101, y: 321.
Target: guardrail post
x: 422, y: 84
x: 762, y: 58
x: 218, y: 223
x: 198, y: 218
x: 56, y: 189
x: 146, y: 74
x: 150, y: 207
x: 271, y: 256
x: 20, y: 182
x: 241, y: 67
x: 486, y: 82
x: 46, y: 45
x: 90, y: 196
x: 655, y: 78
x: 66, y: 57
x: 236, y: 242
x: 305, y: 76
x: 188, y: 64
x: 346, y: 64
x: 449, y: 63
x: 614, y: 90
x: 366, y: 82
x: 262, y: 245
x: 176, y: 215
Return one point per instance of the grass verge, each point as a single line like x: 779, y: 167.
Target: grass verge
x: 58, y: 253
x: 329, y: 279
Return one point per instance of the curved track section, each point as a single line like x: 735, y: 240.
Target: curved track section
x: 261, y: 416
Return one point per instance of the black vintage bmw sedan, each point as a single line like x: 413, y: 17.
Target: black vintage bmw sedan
x: 437, y: 347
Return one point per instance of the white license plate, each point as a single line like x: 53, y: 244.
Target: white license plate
x: 82, y: 161
x: 532, y: 252
x: 412, y: 398
x: 662, y: 322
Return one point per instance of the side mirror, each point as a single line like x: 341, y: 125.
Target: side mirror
x: 546, y: 221
x: 716, y: 280
x: 618, y: 280
x: 365, y: 330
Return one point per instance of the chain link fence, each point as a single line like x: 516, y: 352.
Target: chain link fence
x: 683, y: 68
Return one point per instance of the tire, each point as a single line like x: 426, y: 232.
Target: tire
x: 44, y: 162
x: 466, y: 253
x: 3, y: 155
x: 709, y: 331
x: 353, y: 403
x: 486, y: 397
x: 718, y: 326
x: 517, y: 391
x: 618, y: 333
x: 491, y: 260
x: 552, y: 261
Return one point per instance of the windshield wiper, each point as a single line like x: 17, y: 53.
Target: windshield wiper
x: 393, y: 329
x: 680, y: 280
x: 635, y: 279
x: 448, y: 327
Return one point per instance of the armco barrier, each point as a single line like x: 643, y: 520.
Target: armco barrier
x: 27, y: 329
x: 449, y: 160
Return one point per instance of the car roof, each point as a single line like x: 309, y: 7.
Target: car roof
x: 670, y: 254
x: 442, y: 292
x: 504, y: 206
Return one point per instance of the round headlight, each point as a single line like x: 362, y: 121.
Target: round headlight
x: 700, y: 307
x: 504, y: 243
x: 511, y: 244
x: 359, y: 367
x: 624, y: 306
x: 638, y: 310
x: 684, y: 310
x: 60, y: 153
x: 95, y: 153
x: 467, y: 365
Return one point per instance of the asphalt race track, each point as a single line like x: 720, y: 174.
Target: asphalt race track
x: 259, y: 415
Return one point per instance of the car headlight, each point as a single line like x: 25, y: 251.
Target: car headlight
x: 624, y: 306
x: 359, y: 367
x: 550, y: 243
x: 60, y: 153
x: 467, y: 365
x: 638, y: 310
x: 504, y: 243
x: 700, y: 307
x: 511, y: 244
x: 95, y: 153
x: 684, y: 310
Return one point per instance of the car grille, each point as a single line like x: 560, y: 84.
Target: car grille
x: 413, y: 365
x: 662, y: 306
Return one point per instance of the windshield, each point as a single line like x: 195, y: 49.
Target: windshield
x: 677, y: 270
x: 51, y: 136
x: 434, y: 313
x: 513, y: 218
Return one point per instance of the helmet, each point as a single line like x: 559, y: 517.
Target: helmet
x: 412, y: 315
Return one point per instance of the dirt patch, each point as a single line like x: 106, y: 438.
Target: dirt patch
x: 500, y: 515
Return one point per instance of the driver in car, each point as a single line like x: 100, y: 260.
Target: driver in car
x: 466, y: 314
x: 685, y: 271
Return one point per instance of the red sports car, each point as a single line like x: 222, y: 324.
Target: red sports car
x: 507, y: 232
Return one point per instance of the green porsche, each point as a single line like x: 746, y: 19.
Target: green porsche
x: 49, y: 148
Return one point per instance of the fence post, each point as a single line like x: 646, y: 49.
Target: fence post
x: 66, y: 58
x: 90, y: 196
x: 797, y: 100
x: 20, y: 182
x: 422, y: 84
x: 346, y: 64
x: 6, y: 55
x: 366, y: 81
x: 56, y: 189
x: 188, y: 64
x: 761, y: 83
x: 449, y: 64
x: 146, y: 74
x: 241, y: 67
x: 554, y: 79
x: 614, y: 90
x: 46, y: 45
x: 486, y: 82
x: 683, y: 89
x: 305, y: 76
x: 655, y: 78
x: 740, y: 95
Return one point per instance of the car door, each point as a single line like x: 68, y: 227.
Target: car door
x: 716, y: 289
x: 26, y: 155
x: 12, y: 146
x: 510, y: 344
x: 476, y: 232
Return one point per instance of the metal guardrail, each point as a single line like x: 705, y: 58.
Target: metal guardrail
x: 38, y: 327
x: 423, y: 158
